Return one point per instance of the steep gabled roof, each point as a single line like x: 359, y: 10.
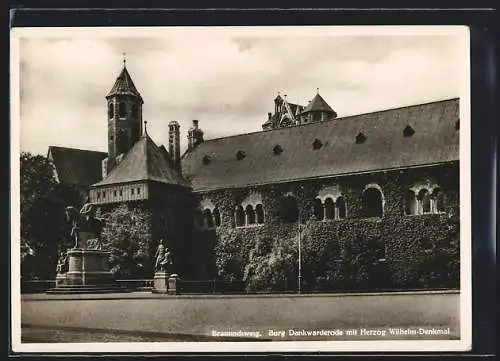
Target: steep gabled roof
x: 77, y: 166
x: 124, y: 85
x: 436, y: 140
x: 318, y: 104
x: 144, y: 162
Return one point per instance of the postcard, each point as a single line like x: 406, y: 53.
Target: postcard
x: 241, y: 189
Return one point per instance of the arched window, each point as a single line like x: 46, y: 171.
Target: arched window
x: 259, y: 210
x: 410, y: 202
x: 329, y: 209
x: 341, y: 210
x: 372, y: 203
x: 216, y: 215
x: 289, y: 209
x: 111, y: 110
x: 319, y: 212
x: 122, y: 110
x: 239, y: 216
x: 250, y: 214
x: 437, y: 200
x: 425, y: 201
x: 207, y: 218
x: 122, y: 141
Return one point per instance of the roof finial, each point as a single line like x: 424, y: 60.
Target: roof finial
x: 317, y: 90
x: 145, y: 127
x: 278, y: 93
x: 124, y: 59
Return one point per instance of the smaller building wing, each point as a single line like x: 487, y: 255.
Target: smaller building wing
x: 76, y: 166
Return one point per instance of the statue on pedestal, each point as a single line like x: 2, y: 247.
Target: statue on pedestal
x: 84, y: 268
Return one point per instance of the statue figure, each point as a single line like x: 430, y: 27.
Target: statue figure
x: 88, y: 211
x: 167, y: 261
x: 160, y: 253
x: 62, y: 263
x: 84, y: 221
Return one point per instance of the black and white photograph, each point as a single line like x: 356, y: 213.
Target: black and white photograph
x: 200, y: 189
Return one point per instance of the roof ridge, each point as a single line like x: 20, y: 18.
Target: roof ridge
x: 76, y: 149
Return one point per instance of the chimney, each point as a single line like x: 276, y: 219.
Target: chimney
x: 195, y: 135
x: 174, y: 144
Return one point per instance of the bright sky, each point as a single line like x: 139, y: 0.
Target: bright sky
x: 227, y: 79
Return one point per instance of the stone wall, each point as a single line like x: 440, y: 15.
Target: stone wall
x: 407, y: 238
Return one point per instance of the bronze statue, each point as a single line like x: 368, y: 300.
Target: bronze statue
x: 84, y: 221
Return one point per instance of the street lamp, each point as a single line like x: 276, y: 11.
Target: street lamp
x: 300, y: 258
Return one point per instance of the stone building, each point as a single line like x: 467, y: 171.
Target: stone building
x: 390, y: 176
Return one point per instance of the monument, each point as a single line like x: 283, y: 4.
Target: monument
x: 84, y: 268
x: 164, y: 280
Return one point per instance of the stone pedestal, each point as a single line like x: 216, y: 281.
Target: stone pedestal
x: 160, y: 282
x: 165, y: 283
x: 87, y: 272
x: 60, y: 279
x: 172, y: 284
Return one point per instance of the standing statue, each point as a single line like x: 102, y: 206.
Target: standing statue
x: 84, y: 221
x: 160, y: 253
x: 163, y: 260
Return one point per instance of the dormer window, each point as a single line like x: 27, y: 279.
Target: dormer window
x: 408, y: 131
x: 277, y: 150
x: 317, y: 144
x: 360, y: 138
x: 240, y: 155
x: 206, y: 160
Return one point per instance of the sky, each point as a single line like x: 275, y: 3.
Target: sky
x: 225, y: 79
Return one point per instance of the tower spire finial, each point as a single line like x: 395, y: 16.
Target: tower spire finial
x: 124, y: 59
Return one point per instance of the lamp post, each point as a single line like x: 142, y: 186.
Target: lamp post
x: 300, y: 258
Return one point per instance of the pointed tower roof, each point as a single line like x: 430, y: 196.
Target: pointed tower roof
x: 124, y: 85
x: 144, y: 162
x: 318, y: 104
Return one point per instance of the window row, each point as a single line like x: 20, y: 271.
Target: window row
x: 209, y: 218
x: 424, y: 201
x: 119, y: 192
x: 417, y: 201
x: 329, y: 209
x: 249, y: 215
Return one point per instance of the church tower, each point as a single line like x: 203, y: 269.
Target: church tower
x: 124, y: 118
